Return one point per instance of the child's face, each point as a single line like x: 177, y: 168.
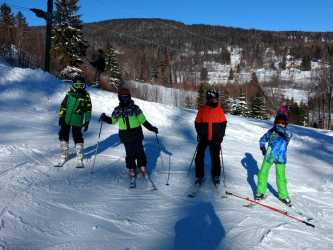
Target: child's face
x: 281, y: 124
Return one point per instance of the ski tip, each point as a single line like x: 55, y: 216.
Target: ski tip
x: 309, y: 224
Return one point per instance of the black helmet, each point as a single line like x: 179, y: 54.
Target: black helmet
x: 281, y: 119
x: 78, y: 82
x: 124, y: 96
x: 212, y: 94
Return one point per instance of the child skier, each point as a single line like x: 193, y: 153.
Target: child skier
x: 210, y: 124
x: 277, y: 138
x: 130, y: 118
x: 75, y: 114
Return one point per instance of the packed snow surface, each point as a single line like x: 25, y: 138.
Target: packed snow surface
x: 49, y: 208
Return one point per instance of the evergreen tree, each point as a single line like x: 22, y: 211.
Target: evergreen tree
x: 298, y: 113
x: 6, y: 28
x: 235, y: 110
x: 306, y: 63
x: 258, y: 107
x: 228, y: 105
x: 238, y: 68
x: 21, y: 25
x: 6, y: 15
x: 69, y: 45
x: 231, y: 75
x: 112, y: 67
x: 204, y: 75
x: 201, y: 100
x: 225, y: 56
x: 283, y: 64
x: 20, y: 21
x: 240, y: 107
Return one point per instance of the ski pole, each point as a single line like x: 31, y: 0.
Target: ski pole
x: 190, y: 166
x: 167, y: 183
x: 285, y: 213
x: 223, y: 172
x: 99, y: 136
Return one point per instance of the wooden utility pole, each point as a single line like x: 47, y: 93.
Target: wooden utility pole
x: 48, y: 17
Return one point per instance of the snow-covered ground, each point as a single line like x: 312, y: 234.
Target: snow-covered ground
x: 43, y: 207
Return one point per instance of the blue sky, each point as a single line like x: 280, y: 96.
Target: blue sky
x: 308, y: 15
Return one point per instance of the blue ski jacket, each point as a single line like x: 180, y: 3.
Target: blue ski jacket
x: 277, y: 138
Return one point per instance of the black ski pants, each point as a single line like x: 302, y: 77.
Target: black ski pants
x: 76, y: 133
x: 214, y: 149
x: 135, y: 154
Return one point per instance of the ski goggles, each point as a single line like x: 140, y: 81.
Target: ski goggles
x: 212, y: 94
x: 79, y: 85
x: 124, y: 98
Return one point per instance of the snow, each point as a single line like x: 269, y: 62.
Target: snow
x: 299, y: 96
x: 219, y: 73
x: 50, y: 208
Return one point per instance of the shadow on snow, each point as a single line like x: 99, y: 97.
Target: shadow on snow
x: 200, y: 229
x: 251, y: 166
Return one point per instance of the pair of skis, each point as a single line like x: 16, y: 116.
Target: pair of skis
x: 60, y: 165
x: 147, y: 179
x: 305, y: 219
x: 280, y: 211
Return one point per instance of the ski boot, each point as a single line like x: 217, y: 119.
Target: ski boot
x: 199, y: 182
x: 286, y: 201
x: 64, y: 154
x: 216, y: 180
x: 260, y: 197
x: 132, y: 175
x: 79, y: 155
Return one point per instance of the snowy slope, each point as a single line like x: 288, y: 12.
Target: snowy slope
x: 48, y: 208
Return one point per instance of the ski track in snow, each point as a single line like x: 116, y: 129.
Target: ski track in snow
x: 43, y: 207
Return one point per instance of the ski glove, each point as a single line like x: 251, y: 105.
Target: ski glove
x: 150, y: 127
x: 154, y: 129
x: 86, y: 125
x: 263, y: 150
x: 103, y: 117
